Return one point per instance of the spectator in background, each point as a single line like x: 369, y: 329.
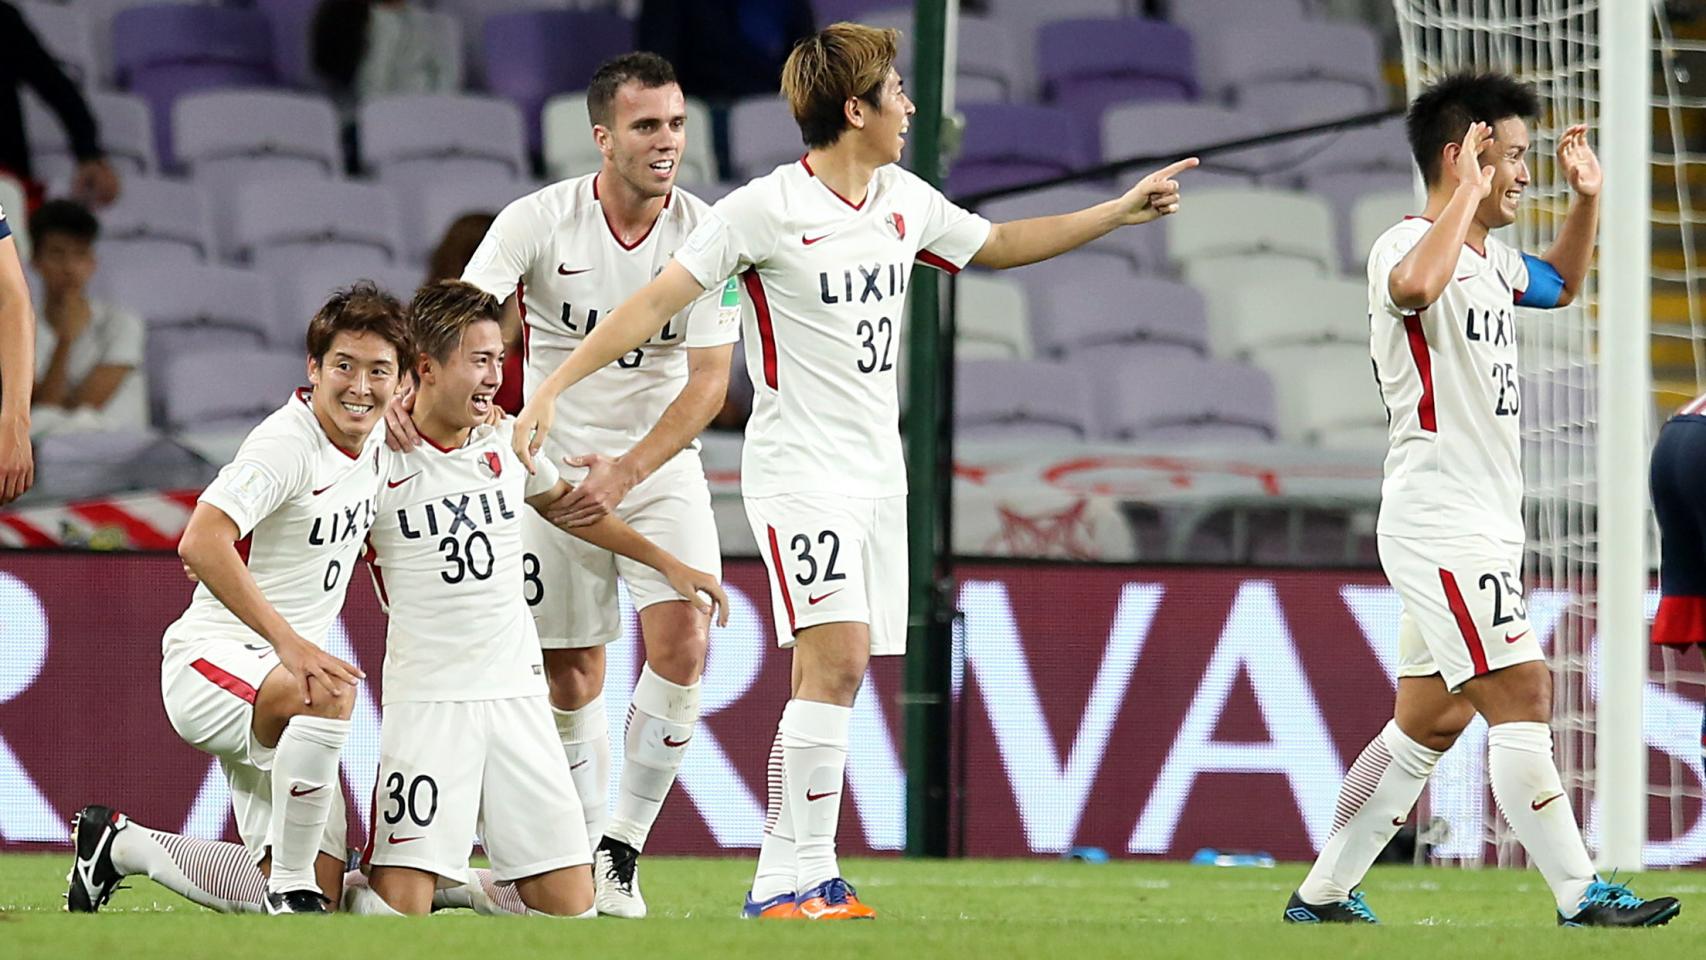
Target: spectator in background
x: 377, y: 48
x: 24, y: 61
x: 87, y: 350
x: 447, y: 261
x: 17, y: 349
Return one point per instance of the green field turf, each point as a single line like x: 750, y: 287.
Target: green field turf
x: 966, y: 910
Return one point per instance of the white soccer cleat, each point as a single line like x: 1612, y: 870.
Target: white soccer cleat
x: 616, y: 879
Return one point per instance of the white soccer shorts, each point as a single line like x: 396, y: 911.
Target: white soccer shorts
x: 1464, y: 609
x: 209, y: 686
x: 835, y: 560
x: 451, y: 770
x: 571, y: 585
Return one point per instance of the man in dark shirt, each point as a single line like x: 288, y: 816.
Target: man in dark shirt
x: 23, y: 60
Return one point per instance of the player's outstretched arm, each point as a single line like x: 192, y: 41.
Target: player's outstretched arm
x: 17, y: 374
x: 1420, y: 278
x: 628, y: 326
x: 209, y: 552
x: 1018, y: 242
x: 1571, y: 254
x: 610, y: 533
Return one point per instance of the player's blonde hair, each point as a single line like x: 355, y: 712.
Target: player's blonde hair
x: 443, y: 310
x: 823, y: 71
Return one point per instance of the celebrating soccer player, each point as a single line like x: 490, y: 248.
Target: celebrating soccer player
x: 823, y: 247
x: 1442, y: 298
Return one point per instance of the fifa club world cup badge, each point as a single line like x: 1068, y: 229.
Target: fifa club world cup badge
x: 494, y: 463
x: 897, y: 223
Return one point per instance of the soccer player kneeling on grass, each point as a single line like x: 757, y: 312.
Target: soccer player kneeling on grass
x: 1442, y: 298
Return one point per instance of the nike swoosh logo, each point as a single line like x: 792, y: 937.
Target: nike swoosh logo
x: 1397, y: 821
x: 1511, y: 639
x: 1536, y: 805
x: 323, y: 489
x: 394, y: 484
x: 672, y: 744
x: 808, y: 241
x: 86, y: 868
x: 564, y: 271
x: 810, y: 796
x: 1467, y: 276
x: 577, y: 766
x: 303, y: 793
x: 814, y: 601
x: 393, y: 838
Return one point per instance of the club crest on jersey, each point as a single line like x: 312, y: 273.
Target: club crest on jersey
x: 897, y: 223
x: 494, y: 463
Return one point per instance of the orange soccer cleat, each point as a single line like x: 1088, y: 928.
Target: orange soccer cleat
x: 833, y: 900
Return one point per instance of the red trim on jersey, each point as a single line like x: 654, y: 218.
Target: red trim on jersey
x: 1693, y: 407
x: 223, y: 679
x: 1681, y: 621
x: 612, y: 228
x: 781, y: 578
x: 857, y: 206
x: 1416, y: 216
x: 930, y: 259
x: 1424, y: 368
x: 766, y: 331
x: 433, y: 443
x: 1465, y: 623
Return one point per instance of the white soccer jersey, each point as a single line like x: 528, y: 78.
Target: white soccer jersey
x: 447, y: 564
x: 1448, y: 375
x: 827, y: 280
x: 555, y: 249
x: 306, y: 505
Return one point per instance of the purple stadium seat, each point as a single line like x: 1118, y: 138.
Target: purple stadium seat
x: 291, y: 22
x: 1075, y: 322
x: 164, y: 51
x: 1379, y: 148
x: 1172, y: 400
x: 227, y: 135
x: 1012, y: 143
x: 1343, y: 189
x: 835, y: 11
x: 330, y: 221
x: 424, y: 214
x: 531, y: 55
x: 1025, y: 399
x: 127, y: 134
x: 1240, y: 55
x: 1088, y: 65
x: 415, y: 138
x: 1136, y: 249
x: 762, y: 136
x: 221, y: 388
x: 162, y: 219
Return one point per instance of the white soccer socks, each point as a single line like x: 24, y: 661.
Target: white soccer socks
x: 660, y: 723
x: 218, y: 875
x: 586, y: 742
x: 776, y: 868
x: 814, y: 763
x: 1526, y: 785
x: 304, y: 787
x: 1379, y: 790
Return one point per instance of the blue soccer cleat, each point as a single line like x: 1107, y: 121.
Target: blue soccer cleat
x: 779, y: 907
x: 1353, y: 910
x: 1608, y: 904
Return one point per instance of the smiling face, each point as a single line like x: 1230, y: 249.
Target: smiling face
x: 647, y: 133
x: 353, y: 384
x: 1507, y: 154
x: 459, y: 388
x: 884, y: 125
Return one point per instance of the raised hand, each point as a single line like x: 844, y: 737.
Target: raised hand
x: 1468, y: 166
x: 1578, y: 161
x: 1156, y: 195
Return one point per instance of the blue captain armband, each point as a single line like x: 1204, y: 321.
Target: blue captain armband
x: 1545, y: 284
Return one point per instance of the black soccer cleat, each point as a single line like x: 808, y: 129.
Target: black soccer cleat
x: 1609, y: 904
x: 1352, y: 910
x: 297, y: 901
x: 93, y: 878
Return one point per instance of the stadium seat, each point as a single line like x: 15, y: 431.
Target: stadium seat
x: 163, y: 221
x: 410, y: 139
x: 1227, y: 223
x: 571, y: 152
x: 531, y: 55
x: 423, y: 215
x: 1375, y: 213
x: 1173, y: 130
x: 1084, y: 270
x: 354, y: 224
x: 222, y: 388
x: 1238, y: 55
x: 1012, y: 143
x: 127, y: 135
x: 1085, y: 66
x: 225, y: 137
x: 163, y: 51
x: 990, y: 65
x: 80, y: 465
x: 991, y: 318
x: 1299, y: 310
x: 709, y: 191
x: 853, y: 11
x: 1169, y: 399
x: 65, y: 32
x: 1075, y: 322
x: 1377, y: 148
x: 762, y: 136
x: 1020, y: 399
x: 1201, y: 16
x: 1343, y: 190
x: 291, y: 24
x: 1325, y: 389
x: 1139, y: 249
x: 299, y: 294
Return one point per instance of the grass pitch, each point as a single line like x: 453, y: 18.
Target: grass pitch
x: 966, y: 910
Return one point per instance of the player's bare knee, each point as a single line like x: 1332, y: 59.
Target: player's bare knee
x: 574, y: 676
x: 329, y: 704
x: 1522, y: 693
x: 681, y: 661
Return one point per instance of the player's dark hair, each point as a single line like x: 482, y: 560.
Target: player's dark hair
x: 823, y: 70
x: 1442, y: 113
x: 361, y: 307
x: 443, y: 310
x: 647, y: 69
x: 66, y: 218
